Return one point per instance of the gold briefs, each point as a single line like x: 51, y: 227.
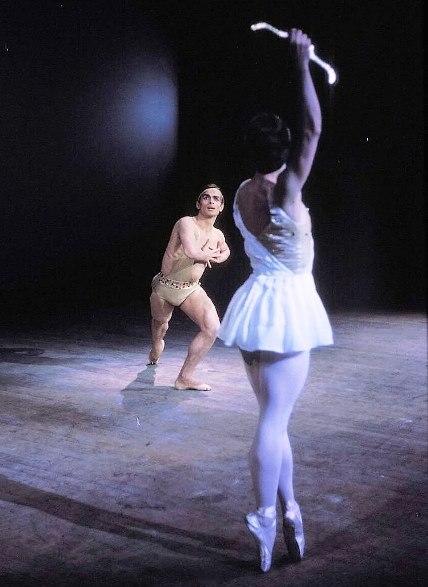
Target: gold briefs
x: 172, y: 291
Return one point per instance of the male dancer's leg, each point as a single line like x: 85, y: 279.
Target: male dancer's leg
x: 199, y: 308
x: 161, y: 312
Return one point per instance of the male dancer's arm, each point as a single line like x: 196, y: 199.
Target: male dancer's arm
x: 186, y: 231
x: 223, y: 248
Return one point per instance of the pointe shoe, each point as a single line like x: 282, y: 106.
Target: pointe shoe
x: 263, y: 530
x: 293, y: 533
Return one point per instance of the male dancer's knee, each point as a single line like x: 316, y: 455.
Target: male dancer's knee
x: 160, y: 327
x: 211, y: 329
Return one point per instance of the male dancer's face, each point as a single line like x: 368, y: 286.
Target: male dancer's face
x: 210, y: 202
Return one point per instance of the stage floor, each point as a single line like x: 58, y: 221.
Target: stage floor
x: 110, y: 476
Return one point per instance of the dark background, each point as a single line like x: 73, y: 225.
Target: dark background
x: 115, y: 114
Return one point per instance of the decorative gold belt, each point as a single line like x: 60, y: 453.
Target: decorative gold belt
x: 176, y: 284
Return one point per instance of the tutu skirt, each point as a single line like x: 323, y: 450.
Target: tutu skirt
x: 279, y: 312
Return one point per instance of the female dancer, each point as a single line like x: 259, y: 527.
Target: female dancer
x: 276, y: 316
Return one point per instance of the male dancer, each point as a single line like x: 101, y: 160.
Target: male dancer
x: 194, y: 244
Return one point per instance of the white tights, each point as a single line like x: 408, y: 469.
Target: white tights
x: 277, y: 381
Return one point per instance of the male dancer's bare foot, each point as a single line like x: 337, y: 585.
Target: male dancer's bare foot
x: 156, y: 352
x: 182, y: 383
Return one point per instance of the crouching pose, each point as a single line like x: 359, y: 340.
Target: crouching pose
x: 194, y: 245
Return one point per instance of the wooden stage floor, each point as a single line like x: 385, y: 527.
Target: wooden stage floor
x: 110, y: 476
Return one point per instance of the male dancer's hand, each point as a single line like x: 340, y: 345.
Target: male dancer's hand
x: 212, y: 255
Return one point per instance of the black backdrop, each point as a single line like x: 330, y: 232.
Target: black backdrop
x: 114, y: 115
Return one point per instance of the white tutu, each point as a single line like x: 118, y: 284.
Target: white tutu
x: 281, y: 312
x: 276, y: 309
